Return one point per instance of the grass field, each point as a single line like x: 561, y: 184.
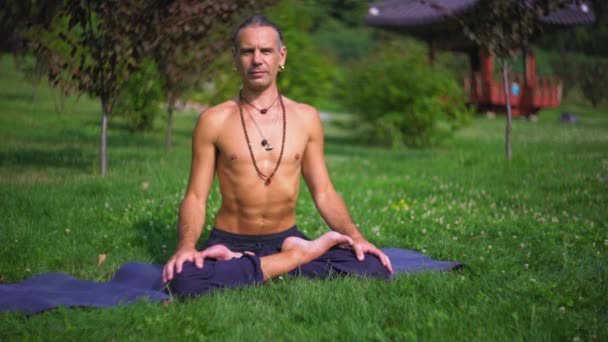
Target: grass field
x: 533, y: 232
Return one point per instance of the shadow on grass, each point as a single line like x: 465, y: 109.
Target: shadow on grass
x: 351, y: 146
x: 159, y: 241
x: 17, y: 97
x: 64, y: 158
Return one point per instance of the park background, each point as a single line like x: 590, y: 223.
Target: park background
x: 531, y: 230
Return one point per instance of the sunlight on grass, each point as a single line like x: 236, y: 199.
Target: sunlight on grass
x: 532, y: 232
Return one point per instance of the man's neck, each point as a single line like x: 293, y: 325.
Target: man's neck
x: 260, y: 97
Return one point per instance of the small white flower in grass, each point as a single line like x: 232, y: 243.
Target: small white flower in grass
x: 576, y: 339
x: 67, y: 230
x: 554, y: 219
x: 424, y: 250
x: 522, y: 245
x: 606, y: 243
x: 27, y: 270
x: 163, y: 246
x: 489, y: 246
x: 455, y: 238
x: 562, y: 309
x: 526, y: 266
x: 107, y: 205
x: 424, y: 231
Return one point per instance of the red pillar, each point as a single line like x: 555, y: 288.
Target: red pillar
x: 487, y: 79
x: 530, y: 69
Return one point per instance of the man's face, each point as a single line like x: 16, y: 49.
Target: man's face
x: 258, y: 56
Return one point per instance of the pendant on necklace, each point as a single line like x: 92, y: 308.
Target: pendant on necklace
x: 266, y: 145
x: 263, y: 110
x: 267, y: 182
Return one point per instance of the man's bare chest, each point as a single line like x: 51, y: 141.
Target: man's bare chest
x: 266, y: 142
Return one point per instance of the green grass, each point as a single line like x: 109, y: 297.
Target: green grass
x: 533, y: 231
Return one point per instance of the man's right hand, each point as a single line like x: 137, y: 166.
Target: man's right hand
x: 175, y: 264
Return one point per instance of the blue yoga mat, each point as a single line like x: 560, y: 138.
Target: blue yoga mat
x: 135, y: 281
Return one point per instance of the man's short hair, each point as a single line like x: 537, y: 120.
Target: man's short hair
x: 256, y: 20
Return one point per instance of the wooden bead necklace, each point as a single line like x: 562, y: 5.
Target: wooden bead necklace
x: 265, y: 143
x: 263, y: 110
x: 266, y: 178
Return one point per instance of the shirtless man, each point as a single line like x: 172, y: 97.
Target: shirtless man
x: 258, y: 144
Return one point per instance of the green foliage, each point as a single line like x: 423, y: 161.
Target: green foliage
x: 503, y: 27
x: 590, y: 74
x: 581, y: 38
x: 139, y: 100
x: 340, y: 31
x: 400, y: 99
x: 594, y: 80
x: 344, y: 43
x: 308, y: 73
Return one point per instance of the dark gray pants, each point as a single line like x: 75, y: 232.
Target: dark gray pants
x: 246, y: 270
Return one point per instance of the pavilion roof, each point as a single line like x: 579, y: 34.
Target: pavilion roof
x: 406, y: 14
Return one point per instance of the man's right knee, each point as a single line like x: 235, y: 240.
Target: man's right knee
x: 191, y: 281
x: 215, y: 274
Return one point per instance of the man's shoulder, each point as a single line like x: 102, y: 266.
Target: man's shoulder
x: 301, y: 109
x: 212, y: 120
x: 217, y: 114
x: 220, y: 110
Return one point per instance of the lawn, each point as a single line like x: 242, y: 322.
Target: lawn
x: 532, y: 231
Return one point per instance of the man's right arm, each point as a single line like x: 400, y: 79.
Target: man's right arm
x: 193, y: 209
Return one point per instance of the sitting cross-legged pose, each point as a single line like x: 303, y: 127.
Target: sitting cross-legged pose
x: 258, y: 144
x: 225, y: 268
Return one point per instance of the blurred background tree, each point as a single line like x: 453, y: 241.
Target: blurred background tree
x: 333, y: 56
x: 400, y: 99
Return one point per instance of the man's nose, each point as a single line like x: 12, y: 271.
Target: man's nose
x: 257, y: 57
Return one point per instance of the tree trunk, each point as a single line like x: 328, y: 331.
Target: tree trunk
x: 431, y: 52
x: 104, y: 133
x: 505, y: 77
x: 170, y: 107
x: 59, y: 100
x: 37, y: 77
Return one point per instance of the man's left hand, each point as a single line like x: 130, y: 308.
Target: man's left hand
x: 362, y: 246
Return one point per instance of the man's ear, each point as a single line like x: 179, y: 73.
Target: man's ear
x: 283, y: 54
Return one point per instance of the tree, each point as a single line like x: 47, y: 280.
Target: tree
x: 186, y: 36
x: 16, y: 20
x: 503, y: 28
x: 104, y: 49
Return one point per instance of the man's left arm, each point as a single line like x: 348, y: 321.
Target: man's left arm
x: 330, y: 205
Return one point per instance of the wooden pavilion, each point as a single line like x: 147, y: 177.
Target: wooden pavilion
x: 436, y: 23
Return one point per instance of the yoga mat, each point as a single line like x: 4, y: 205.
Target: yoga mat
x: 136, y: 281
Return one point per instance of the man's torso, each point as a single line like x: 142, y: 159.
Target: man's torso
x: 249, y: 205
